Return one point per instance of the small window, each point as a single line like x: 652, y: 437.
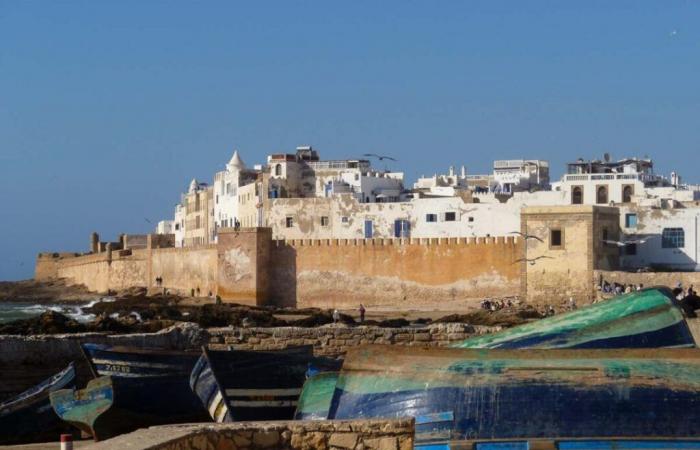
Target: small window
x: 673, y: 238
x: 471, y: 219
x: 450, y: 216
x: 601, y: 195
x: 631, y: 220
x: 289, y: 222
x: 278, y: 170
x: 577, y: 195
x: 555, y: 239
x: 324, y: 221
x: 431, y: 217
x: 345, y: 219
x: 177, y: 226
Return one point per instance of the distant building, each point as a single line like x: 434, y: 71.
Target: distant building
x: 227, y: 184
x: 199, y: 214
x: 518, y: 175
x: 165, y: 227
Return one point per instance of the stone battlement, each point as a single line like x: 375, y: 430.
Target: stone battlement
x: 492, y: 240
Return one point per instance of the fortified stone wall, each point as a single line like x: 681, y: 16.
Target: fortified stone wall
x: 374, y: 434
x: 47, y: 264
x: 248, y: 267
x: 101, y: 272
x: 185, y: 269
x: 336, y: 340
x: 333, y: 273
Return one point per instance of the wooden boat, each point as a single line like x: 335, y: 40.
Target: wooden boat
x: 137, y: 387
x: 29, y: 417
x: 253, y: 385
x: 478, y: 394
x: 316, y: 395
x: 648, y: 318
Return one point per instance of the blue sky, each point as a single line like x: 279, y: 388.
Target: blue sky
x: 108, y: 109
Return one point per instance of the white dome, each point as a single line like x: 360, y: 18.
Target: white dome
x: 194, y: 185
x: 236, y: 162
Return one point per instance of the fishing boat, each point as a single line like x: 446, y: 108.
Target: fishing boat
x: 136, y: 387
x: 254, y: 385
x: 648, y: 318
x: 316, y: 395
x: 507, y: 395
x: 29, y: 417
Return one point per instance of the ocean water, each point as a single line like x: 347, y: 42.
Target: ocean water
x: 16, y: 311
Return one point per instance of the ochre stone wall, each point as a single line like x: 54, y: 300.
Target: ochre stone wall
x: 375, y: 434
x: 185, y: 269
x: 335, y: 340
x: 346, y: 272
x: 104, y: 271
x: 47, y: 264
x: 246, y: 266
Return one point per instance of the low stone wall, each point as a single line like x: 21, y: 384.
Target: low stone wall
x: 27, y: 360
x: 648, y: 279
x: 293, y: 435
x: 334, y: 340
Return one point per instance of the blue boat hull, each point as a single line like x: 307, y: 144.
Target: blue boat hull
x: 151, y: 386
x: 29, y: 417
x: 524, y: 394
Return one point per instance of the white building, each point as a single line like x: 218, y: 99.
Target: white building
x: 226, y: 190
x: 165, y: 227
x: 304, y: 175
x: 517, y: 175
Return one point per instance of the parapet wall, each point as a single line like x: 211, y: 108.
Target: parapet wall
x: 247, y: 266
x: 332, y: 340
x: 347, y: 272
x: 373, y: 434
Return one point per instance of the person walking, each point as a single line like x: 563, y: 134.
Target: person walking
x: 362, y: 313
x: 336, y: 316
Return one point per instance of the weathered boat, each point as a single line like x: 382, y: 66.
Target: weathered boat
x: 477, y: 394
x: 254, y: 385
x: 316, y: 395
x: 29, y: 417
x: 137, y: 387
x: 648, y: 318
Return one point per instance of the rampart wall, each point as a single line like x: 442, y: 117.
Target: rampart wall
x: 347, y: 272
x: 248, y: 267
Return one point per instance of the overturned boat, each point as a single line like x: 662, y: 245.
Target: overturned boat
x: 241, y: 385
x: 477, y: 395
x: 29, y: 417
x: 135, y: 387
x: 649, y: 318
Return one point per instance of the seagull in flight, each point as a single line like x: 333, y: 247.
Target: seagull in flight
x: 379, y: 157
x: 526, y: 236
x: 532, y: 261
x: 629, y: 242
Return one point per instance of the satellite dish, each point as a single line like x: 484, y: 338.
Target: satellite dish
x: 606, y: 157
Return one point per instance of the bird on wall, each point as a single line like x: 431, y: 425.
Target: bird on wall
x: 532, y: 261
x: 625, y: 243
x: 526, y: 236
x: 379, y: 157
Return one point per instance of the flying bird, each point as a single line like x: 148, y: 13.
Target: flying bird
x: 147, y: 220
x: 629, y: 242
x: 380, y: 157
x: 526, y: 236
x: 532, y: 261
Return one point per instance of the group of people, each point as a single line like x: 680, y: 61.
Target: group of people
x: 361, y: 310
x: 619, y: 289
x: 496, y: 305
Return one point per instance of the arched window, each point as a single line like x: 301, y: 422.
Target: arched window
x: 627, y: 194
x: 577, y: 195
x: 601, y: 195
x: 278, y: 170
